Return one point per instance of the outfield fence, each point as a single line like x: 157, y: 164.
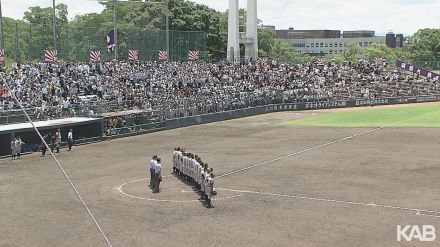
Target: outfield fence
x: 98, y: 130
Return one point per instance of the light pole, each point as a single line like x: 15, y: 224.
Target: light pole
x: 54, y: 27
x: 115, y: 30
x: 1, y: 26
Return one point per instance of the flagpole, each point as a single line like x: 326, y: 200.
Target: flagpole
x: 116, y: 31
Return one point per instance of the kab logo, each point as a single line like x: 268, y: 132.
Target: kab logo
x: 413, y: 232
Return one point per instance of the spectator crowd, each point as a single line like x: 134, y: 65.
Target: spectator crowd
x: 177, y: 89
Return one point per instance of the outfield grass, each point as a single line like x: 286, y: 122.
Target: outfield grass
x: 400, y: 116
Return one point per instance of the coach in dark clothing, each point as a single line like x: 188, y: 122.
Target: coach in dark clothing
x: 43, y: 147
x: 157, y: 176
x: 152, y: 172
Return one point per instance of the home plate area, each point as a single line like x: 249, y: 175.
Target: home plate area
x: 171, y: 190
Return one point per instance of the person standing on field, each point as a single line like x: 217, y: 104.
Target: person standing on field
x: 18, y: 144
x: 58, y: 140
x: 43, y: 147
x: 70, y: 139
x: 157, y: 176
x: 13, y: 148
x: 152, y: 171
x: 210, y: 189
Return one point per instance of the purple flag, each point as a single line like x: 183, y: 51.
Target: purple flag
x: 111, y: 41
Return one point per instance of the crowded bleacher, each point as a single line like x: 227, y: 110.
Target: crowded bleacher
x: 179, y: 89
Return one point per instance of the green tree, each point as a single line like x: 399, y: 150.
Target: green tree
x: 16, y: 39
x: 41, y: 32
x: 426, y: 45
x: 351, y: 52
x: 266, y: 41
x: 269, y: 46
x: 385, y: 52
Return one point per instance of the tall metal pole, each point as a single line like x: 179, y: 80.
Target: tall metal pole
x: 16, y: 41
x: 54, y: 26
x: 30, y: 42
x: 1, y: 26
x: 116, y: 31
x: 167, y: 23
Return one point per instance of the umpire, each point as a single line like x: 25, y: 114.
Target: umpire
x: 157, y: 176
x: 152, y: 172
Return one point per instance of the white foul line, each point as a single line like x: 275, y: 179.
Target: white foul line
x: 60, y: 166
x: 419, y: 212
x: 299, y: 152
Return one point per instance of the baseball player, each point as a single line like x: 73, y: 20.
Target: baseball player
x: 175, y: 161
x: 58, y: 140
x: 202, y: 182
x: 209, y: 189
x: 18, y: 144
x: 70, y: 139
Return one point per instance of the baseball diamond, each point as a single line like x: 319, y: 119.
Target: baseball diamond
x: 344, y: 180
x: 227, y: 123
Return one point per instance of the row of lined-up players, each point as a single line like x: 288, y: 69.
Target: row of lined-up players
x: 192, y: 169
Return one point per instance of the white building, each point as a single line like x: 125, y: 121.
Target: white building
x: 323, y: 42
x: 324, y: 46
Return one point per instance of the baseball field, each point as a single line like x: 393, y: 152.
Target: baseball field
x: 346, y: 177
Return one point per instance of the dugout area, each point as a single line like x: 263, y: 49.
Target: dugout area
x: 284, y: 185
x: 84, y: 130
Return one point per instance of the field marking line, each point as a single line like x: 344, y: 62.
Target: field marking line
x: 60, y: 167
x: 323, y: 145
x: 419, y: 212
x: 299, y: 152
x: 120, y: 189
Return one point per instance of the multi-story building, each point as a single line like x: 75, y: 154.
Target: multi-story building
x: 394, y: 40
x: 323, y: 42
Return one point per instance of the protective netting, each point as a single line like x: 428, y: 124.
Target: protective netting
x: 27, y: 42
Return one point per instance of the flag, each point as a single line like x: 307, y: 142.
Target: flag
x: 2, y: 55
x: 1, y: 90
x: 111, y: 41
x: 193, y: 55
x: 378, y: 61
x: 163, y: 55
x: 414, y: 69
x: 95, y: 56
x: 51, y: 56
x: 320, y: 61
x: 262, y: 61
x: 133, y: 54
